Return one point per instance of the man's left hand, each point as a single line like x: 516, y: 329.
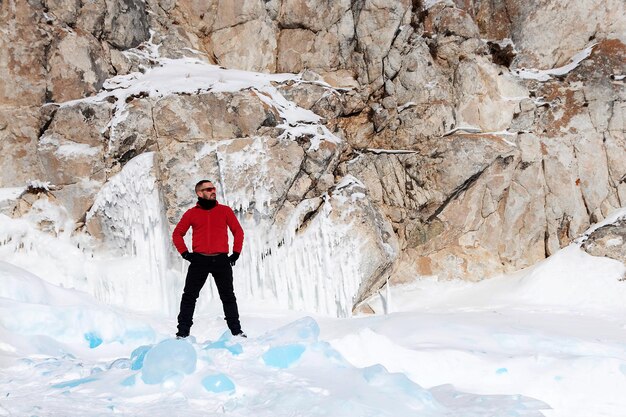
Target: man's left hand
x: 233, y: 258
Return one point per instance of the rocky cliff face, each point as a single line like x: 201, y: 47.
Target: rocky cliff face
x: 456, y: 138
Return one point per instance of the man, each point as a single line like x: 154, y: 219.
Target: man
x: 209, y: 221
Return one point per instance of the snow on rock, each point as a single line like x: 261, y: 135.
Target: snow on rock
x: 8, y: 195
x: 39, y: 185
x: 427, y: 4
x: 613, y: 217
x: 546, y: 75
x: 298, y: 122
x: 249, y: 164
x: 194, y: 76
x: 608, y: 240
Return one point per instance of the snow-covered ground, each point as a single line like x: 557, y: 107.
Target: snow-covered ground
x: 548, y: 341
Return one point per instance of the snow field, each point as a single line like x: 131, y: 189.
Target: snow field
x: 549, y: 341
x: 111, y: 363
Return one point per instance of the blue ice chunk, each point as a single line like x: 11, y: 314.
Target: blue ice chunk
x: 128, y: 382
x: 395, y: 383
x: 304, y: 330
x: 331, y: 353
x: 501, y: 371
x: 93, y: 339
x: 96, y: 370
x: 371, y: 373
x: 121, y: 363
x: 137, y: 357
x: 283, y: 356
x: 218, y: 383
x: 220, y: 344
x: 74, y: 382
x: 225, y: 337
x: 235, y: 348
x: 169, y: 356
x: 307, y: 329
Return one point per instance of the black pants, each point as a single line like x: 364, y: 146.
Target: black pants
x: 199, y: 270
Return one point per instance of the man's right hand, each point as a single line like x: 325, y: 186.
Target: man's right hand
x: 187, y: 256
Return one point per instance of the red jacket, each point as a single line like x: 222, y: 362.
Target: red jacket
x: 209, y: 234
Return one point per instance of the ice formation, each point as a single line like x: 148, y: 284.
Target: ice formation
x: 169, y: 359
x: 281, y: 265
x: 283, y: 356
x: 131, y: 212
x: 218, y: 383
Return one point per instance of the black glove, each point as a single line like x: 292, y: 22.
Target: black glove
x: 233, y: 258
x: 187, y: 256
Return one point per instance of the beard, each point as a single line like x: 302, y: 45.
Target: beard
x: 207, y: 204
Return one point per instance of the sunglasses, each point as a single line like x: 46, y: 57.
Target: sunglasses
x: 207, y: 189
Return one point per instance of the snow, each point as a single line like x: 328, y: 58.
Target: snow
x: 9, y: 195
x: 547, y: 341
x: 284, y: 370
x: 193, y: 76
x: 546, y: 75
x: 70, y: 150
x: 407, y: 105
x: 567, y: 282
x: 611, y: 218
x: 390, y: 151
x: 463, y: 129
x: 427, y: 4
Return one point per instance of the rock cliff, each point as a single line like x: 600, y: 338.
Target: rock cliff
x: 358, y: 141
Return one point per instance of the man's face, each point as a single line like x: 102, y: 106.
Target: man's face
x: 207, y: 191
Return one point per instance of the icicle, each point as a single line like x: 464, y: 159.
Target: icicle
x: 388, y: 309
